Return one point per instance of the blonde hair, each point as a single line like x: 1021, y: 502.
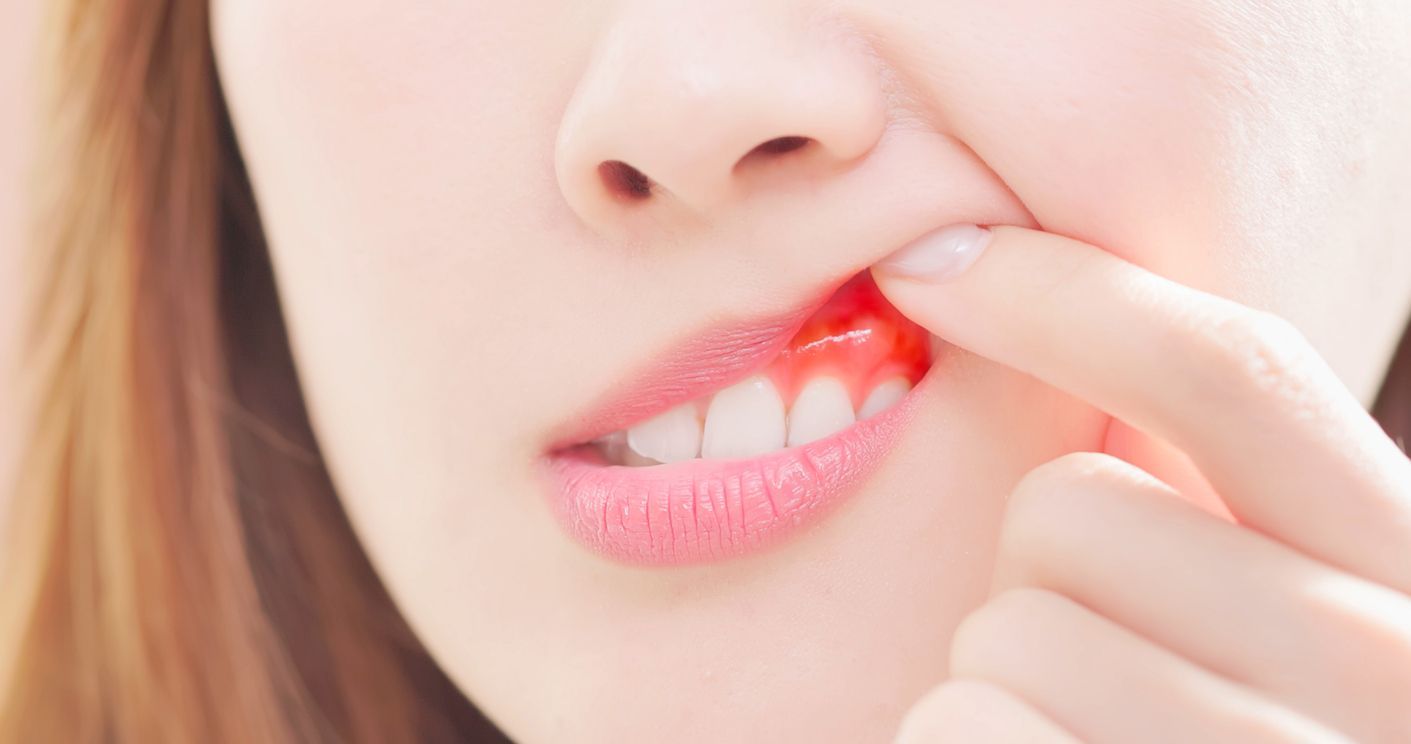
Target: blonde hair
x: 179, y: 569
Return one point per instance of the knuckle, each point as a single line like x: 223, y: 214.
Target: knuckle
x: 1241, y: 351
x: 1048, y: 497
x: 1064, y: 476
x: 948, y: 710
x: 1008, y: 622
x: 949, y: 700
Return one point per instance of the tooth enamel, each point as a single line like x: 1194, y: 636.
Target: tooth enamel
x: 632, y: 459
x: 821, y: 408
x: 614, y: 449
x: 744, y: 420
x: 884, y: 396
x: 671, y: 436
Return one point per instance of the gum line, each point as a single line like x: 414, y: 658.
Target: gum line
x: 858, y: 337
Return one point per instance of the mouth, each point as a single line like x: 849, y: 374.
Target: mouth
x: 743, y: 435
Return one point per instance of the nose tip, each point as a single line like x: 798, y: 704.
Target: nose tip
x: 699, y: 106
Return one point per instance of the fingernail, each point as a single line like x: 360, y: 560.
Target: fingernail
x: 939, y: 256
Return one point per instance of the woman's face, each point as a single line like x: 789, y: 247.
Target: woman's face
x: 469, y: 293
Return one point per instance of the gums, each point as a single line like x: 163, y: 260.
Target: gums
x: 858, y: 337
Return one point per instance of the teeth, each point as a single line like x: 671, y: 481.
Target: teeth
x: 883, y: 396
x: 744, y: 420
x: 672, y: 436
x: 627, y: 457
x: 821, y: 408
x: 614, y: 448
x: 748, y: 419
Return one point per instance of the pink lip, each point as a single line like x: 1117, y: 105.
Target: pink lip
x: 703, y: 365
x: 707, y: 510
x: 699, y: 511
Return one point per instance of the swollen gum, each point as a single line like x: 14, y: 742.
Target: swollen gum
x: 857, y: 337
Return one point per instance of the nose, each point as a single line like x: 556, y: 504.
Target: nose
x: 692, y: 105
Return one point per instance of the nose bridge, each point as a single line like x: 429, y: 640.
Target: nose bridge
x: 680, y: 96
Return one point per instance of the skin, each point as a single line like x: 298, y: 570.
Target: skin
x: 17, y: 36
x: 459, y: 285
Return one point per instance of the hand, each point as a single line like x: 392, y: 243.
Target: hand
x: 1119, y: 611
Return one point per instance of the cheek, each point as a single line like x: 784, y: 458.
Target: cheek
x: 429, y: 115
x: 402, y: 154
x: 1190, y: 137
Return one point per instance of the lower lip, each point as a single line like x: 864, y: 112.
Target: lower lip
x: 703, y: 511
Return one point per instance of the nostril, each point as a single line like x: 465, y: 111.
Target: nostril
x: 624, y: 181
x: 770, y: 149
x: 781, y: 145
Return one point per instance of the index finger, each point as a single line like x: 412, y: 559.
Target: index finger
x: 1268, y: 423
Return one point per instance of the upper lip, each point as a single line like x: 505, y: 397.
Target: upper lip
x: 710, y: 360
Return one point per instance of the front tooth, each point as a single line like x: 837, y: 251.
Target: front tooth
x: 672, y: 436
x: 821, y: 408
x: 884, y: 396
x: 744, y: 420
